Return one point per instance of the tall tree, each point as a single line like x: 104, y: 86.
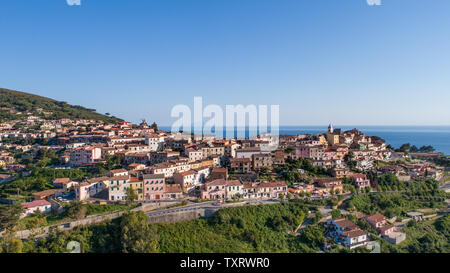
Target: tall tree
x: 154, y: 126
x: 131, y: 196
x: 137, y: 236
x: 10, y: 216
x: 76, y: 211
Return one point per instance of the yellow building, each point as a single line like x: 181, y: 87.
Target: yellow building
x: 323, y: 140
x: 138, y: 186
x: 333, y: 139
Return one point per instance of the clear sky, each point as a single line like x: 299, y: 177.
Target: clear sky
x: 322, y: 61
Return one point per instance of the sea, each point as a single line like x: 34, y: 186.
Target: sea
x: 436, y: 136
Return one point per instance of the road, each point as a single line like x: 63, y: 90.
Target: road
x: 210, y: 205
x: 445, y: 187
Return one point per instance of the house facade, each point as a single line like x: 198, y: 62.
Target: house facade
x: 154, y: 186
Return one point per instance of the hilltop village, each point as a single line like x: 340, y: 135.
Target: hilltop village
x: 122, y: 161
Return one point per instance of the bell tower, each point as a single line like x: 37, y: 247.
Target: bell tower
x: 330, y: 129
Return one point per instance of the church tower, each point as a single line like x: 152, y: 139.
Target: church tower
x: 330, y: 129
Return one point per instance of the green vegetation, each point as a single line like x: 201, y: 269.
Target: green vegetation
x: 10, y: 215
x: 131, y: 196
x: 41, y: 179
x: 423, y: 237
x: 290, y: 170
x: 74, y: 211
x: 24, y: 102
x: 400, y: 197
x: 389, y: 182
x: 264, y: 228
x: 407, y: 147
x: 396, y: 204
x: 443, y: 161
x: 351, y: 163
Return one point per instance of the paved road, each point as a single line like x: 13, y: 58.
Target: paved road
x: 210, y: 205
x: 445, y: 187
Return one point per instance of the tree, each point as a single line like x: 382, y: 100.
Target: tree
x: 317, y: 217
x: 312, y: 235
x: 76, y: 211
x: 336, y: 213
x: 10, y: 216
x: 404, y: 148
x: 426, y: 149
x: 131, y: 196
x: 264, y: 170
x: 289, y: 150
x: 136, y: 235
x: 10, y: 244
x: 154, y: 126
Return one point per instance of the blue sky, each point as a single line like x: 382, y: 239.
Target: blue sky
x: 322, y: 61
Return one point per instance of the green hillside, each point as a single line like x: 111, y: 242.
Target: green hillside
x: 24, y: 102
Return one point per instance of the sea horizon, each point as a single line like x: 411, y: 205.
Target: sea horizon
x: 419, y: 135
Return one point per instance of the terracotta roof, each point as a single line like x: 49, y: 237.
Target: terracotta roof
x: 135, y: 179
x: 36, y: 203
x: 384, y: 228
x: 45, y: 193
x: 357, y: 175
x: 219, y: 170
x: 173, y: 188
x: 240, y: 160
x: 120, y: 177
x: 61, y: 181
x: 153, y: 176
x: 187, y: 173
x: 345, y: 224
x: 234, y: 183
x: 264, y: 185
x: 354, y: 233
x: 376, y: 218
x: 216, y: 182
x: 118, y: 171
x: 249, y: 149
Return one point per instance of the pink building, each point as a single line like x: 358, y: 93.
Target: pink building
x: 376, y: 220
x: 360, y: 180
x: 214, y: 190
x: 85, y: 155
x: 256, y: 190
x: 154, y: 186
x: 302, y: 151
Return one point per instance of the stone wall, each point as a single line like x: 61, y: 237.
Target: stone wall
x: 182, y: 216
x: 91, y: 220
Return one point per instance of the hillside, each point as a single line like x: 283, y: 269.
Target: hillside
x: 15, y: 105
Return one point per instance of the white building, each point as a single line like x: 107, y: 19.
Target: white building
x: 38, y: 205
x: 155, y: 142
